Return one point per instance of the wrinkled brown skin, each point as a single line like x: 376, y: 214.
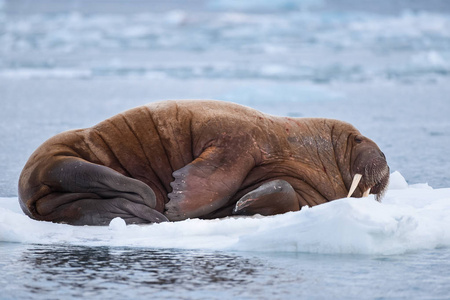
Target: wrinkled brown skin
x: 175, y: 160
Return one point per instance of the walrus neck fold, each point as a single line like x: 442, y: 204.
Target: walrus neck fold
x: 304, y: 149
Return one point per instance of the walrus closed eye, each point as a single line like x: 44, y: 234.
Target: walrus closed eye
x: 175, y: 160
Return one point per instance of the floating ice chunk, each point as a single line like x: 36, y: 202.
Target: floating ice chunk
x: 264, y: 4
x: 409, y: 218
x: 431, y: 58
x: 176, y: 17
x: 28, y: 73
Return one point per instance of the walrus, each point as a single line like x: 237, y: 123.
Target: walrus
x: 174, y: 160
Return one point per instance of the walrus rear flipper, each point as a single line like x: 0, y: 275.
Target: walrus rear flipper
x: 271, y: 198
x: 83, y: 193
x: 91, y: 210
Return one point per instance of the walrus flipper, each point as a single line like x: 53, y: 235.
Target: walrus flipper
x: 271, y: 198
x: 89, y: 209
x: 207, y: 183
x: 84, y: 193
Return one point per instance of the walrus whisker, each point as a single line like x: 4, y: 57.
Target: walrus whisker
x: 355, y: 182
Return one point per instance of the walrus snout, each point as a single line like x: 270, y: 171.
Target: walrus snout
x: 370, y: 172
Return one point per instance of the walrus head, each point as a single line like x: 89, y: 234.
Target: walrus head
x: 368, y: 168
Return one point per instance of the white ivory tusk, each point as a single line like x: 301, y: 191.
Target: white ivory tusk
x: 355, y: 182
x: 366, y: 193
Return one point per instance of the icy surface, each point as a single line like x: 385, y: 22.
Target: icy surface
x: 410, y: 218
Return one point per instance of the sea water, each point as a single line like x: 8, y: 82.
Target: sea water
x: 73, y: 272
x: 383, y: 66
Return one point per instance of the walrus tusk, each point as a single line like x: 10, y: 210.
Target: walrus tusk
x: 366, y: 193
x: 355, y: 183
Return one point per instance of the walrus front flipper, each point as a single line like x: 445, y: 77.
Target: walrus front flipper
x: 271, y: 198
x: 83, y: 193
x: 207, y: 183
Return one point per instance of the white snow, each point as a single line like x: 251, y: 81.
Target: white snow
x: 410, y: 218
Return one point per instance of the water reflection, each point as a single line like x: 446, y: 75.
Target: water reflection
x: 86, y: 271
x: 73, y: 272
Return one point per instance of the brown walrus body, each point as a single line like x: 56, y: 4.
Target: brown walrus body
x: 174, y: 160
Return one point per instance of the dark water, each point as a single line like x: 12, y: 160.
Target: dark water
x: 71, y: 272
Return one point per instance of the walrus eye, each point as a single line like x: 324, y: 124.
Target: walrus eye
x: 358, y: 139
